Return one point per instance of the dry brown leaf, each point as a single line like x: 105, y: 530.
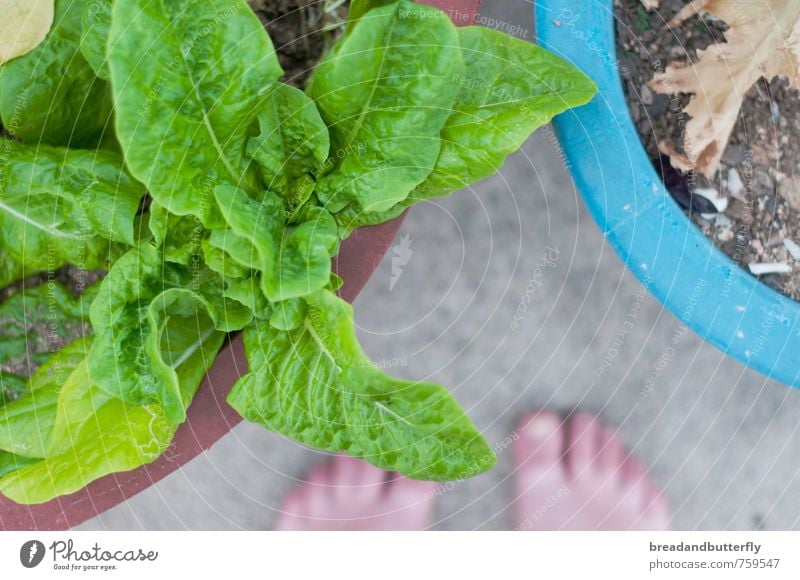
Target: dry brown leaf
x: 23, y: 25
x: 763, y: 39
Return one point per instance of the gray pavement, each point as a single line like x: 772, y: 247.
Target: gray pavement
x: 721, y: 439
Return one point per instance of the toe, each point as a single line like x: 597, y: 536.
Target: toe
x: 292, y: 511
x: 584, y: 436
x: 633, y: 480
x: 411, y: 503
x: 633, y: 473
x: 320, y: 475
x: 611, y: 453
x: 410, y: 491
x: 541, y: 441
x: 656, y: 515
x: 356, y: 478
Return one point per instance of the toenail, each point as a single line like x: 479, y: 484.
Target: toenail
x: 541, y: 427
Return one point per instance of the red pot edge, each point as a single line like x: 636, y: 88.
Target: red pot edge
x: 210, y: 417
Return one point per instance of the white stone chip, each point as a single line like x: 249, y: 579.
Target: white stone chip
x: 793, y: 248
x: 769, y: 268
x: 712, y: 195
x: 735, y: 184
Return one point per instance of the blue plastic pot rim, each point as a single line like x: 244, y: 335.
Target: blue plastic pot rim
x: 701, y: 286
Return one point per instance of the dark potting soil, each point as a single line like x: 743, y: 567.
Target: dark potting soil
x: 758, y: 173
x: 301, y: 30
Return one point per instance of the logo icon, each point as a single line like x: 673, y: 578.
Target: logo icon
x: 401, y: 258
x: 31, y: 553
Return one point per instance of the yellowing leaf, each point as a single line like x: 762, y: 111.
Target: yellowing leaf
x: 763, y: 40
x: 23, y: 25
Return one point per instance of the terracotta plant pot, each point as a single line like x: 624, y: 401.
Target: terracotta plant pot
x: 210, y: 417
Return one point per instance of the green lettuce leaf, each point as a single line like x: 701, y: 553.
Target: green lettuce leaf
x: 11, y: 387
x: 27, y: 423
x: 37, y: 322
x: 188, y: 80
x: 11, y: 268
x: 293, y: 145
x: 510, y: 88
x: 92, y: 434
x: 293, y: 260
x: 60, y: 206
x: 51, y: 94
x: 10, y: 462
x: 118, y: 437
x: 247, y: 291
x: 179, y: 237
x: 289, y: 314
x: 218, y: 259
x: 149, y: 316
x: 385, y: 93
x: 315, y: 385
x: 95, y: 25
x: 353, y: 216
x: 358, y: 8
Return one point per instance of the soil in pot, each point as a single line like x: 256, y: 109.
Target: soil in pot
x: 757, y: 181
x: 301, y: 30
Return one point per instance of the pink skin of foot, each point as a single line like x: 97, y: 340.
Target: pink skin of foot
x: 348, y: 494
x: 569, y: 476
x: 577, y: 475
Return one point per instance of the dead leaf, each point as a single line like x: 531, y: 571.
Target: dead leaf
x: 763, y: 39
x: 650, y: 4
x: 23, y: 26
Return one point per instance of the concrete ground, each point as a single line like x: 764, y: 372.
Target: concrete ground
x: 722, y: 440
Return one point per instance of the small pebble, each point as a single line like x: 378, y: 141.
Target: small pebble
x: 723, y: 221
x: 712, y: 195
x: 734, y: 154
x: 774, y: 241
x: 762, y: 182
x: 647, y: 95
x: 676, y: 52
x: 789, y: 189
x: 792, y: 248
x: 735, y: 185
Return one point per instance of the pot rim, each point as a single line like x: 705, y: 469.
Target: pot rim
x: 658, y: 243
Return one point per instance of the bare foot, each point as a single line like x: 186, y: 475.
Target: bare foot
x: 350, y: 494
x: 578, y: 476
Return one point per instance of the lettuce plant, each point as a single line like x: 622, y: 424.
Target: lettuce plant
x: 167, y: 151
